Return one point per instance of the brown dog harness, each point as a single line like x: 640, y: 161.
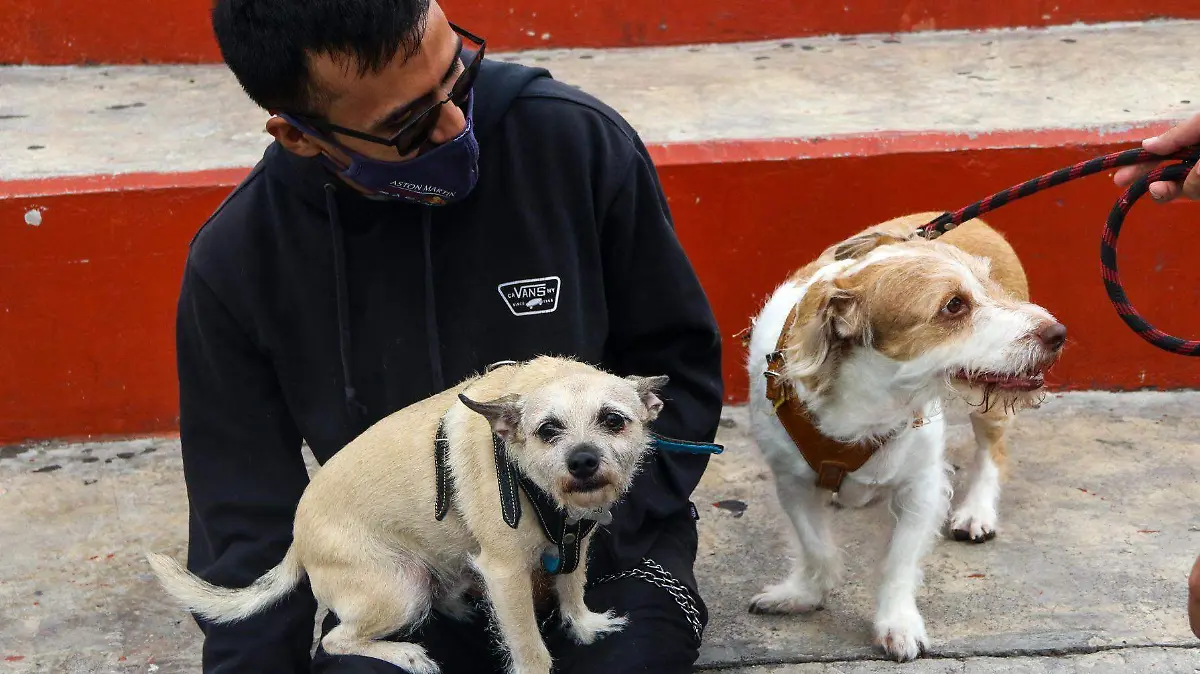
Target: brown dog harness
x: 831, y: 459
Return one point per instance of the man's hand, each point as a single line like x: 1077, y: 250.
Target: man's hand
x: 1194, y: 598
x: 1184, y: 134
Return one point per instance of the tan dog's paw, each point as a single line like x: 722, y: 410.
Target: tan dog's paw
x: 537, y: 662
x: 592, y: 626
x: 786, y: 598
x: 903, y: 636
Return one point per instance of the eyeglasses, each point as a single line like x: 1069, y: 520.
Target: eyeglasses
x: 416, y: 130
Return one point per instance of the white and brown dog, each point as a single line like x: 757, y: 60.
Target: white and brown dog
x: 390, y: 529
x: 852, y: 359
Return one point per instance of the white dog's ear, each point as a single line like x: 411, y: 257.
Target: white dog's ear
x: 648, y: 389
x: 504, y: 414
x: 839, y: 317
x: 858, y: 246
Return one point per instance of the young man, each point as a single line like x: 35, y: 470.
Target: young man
x: 421, y: 214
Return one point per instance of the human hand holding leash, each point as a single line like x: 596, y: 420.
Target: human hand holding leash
x: 1178, y: 137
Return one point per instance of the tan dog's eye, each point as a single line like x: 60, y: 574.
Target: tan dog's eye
x: 957, y: 306
x: 613, y: 422
x: 549, y: 432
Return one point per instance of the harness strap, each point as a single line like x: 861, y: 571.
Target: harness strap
x: 830, y: 459
x: 565, y: 535
x: 441, y: 472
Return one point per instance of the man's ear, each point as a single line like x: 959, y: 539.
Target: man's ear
x: 648, y: 389
x: 292, y: 139
x: 838, y: 317
x: 504, y: 414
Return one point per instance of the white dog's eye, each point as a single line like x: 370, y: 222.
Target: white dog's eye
x: 956, y: 306
x: 612, y: 421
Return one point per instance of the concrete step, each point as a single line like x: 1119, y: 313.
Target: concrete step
x: 1091, y: 557
x: 186, y: 118
x: 768, y: 151
x: 74, y: 32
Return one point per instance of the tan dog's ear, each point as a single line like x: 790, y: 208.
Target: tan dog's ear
x: 856, y: 247
x: 648, y: 388
x: 504, y: 414
x: 839, y: 317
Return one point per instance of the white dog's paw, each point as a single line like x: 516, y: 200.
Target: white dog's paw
x: 592, y: 626
x: 902, y: 636
x: 787, y: 597
x: 973, y: 523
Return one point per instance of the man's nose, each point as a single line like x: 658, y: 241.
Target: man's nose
x: 451, y: 122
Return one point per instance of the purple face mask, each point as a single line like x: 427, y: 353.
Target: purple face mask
x: 442, y: 175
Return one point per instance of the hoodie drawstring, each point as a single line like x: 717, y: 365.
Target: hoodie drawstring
x: 431, y: 331
x: 343, y: 310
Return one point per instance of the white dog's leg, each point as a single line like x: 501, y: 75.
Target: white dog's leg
x: 920, y: 507
x: 584, y: 624
x: 855, y: 495
x: 510, y: 590
x: 976, y: 517
x: 818, y: 567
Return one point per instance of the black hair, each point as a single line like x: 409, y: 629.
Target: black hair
x: 267, y: 43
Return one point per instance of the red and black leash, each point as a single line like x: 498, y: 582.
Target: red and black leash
x: 1112, y: 228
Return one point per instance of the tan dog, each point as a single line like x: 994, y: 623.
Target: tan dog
x: 366, y: 535
x: 856, y: 352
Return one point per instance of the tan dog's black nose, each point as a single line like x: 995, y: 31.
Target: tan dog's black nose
x: 1053, y: 335
x: 583, y: 462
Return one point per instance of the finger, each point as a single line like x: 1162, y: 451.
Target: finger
x: 1181, y: 135
x: 1163, y: 191
x: 1127, y: 175
x: 1191, y: 186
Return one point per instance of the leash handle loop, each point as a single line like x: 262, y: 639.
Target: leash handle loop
x: 1188, y: 157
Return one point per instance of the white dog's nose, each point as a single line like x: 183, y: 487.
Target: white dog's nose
x: 1053, y: 335
x: 583, y: 461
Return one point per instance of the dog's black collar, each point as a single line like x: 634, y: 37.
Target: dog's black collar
x: 566, y: 536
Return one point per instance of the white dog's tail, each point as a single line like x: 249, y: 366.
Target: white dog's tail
x: 221, y: 604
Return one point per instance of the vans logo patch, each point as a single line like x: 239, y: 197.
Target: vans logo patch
x: 531, y: 296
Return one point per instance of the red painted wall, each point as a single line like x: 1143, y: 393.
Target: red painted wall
x: 47, y: 32
x: 87, y: 297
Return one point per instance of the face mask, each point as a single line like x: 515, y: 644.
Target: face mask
x: 442, y: 175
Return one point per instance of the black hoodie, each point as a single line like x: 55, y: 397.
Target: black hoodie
x: 308, y: 312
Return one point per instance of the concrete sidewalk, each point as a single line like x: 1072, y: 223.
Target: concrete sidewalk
x: 1099, y: 528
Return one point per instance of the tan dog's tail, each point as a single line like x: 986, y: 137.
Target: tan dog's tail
x: 221, y: 604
